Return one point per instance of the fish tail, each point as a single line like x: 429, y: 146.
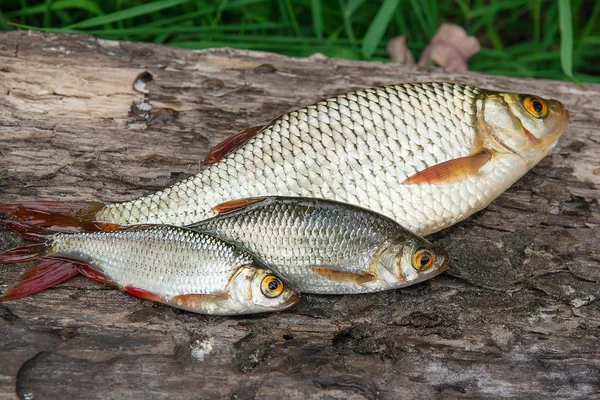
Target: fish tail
x: 47, y: 272
x: 55, y: 216
x: 29, y: 232
x: 22, y: 254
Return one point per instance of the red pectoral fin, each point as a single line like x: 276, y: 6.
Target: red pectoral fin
x: 237, y: 204
x: 46, y: 273
x: 195, y: 301
x: 451, y: 170
x: 228, y: 145
x: 343, y: 277
x: 55, y: 216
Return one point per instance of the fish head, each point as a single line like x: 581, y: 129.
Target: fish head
x: 409, y: 259
x: 524, y: 124
x: 255, y: 289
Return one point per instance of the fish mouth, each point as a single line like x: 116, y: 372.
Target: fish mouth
x: 291, y: 301
x: 562, y: 120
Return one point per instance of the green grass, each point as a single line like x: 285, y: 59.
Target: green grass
x: 557, y: 39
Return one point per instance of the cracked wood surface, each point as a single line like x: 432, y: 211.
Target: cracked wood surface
x: 516, y: 315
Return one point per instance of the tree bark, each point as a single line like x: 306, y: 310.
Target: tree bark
x: 516, y: 315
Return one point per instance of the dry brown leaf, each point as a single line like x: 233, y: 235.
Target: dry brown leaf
x: 399, y: 52
x: 450, y: 47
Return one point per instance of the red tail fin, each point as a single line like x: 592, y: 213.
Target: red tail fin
x: 29, y: 232
x: 46, y: 273
x: 21, y: 254
x: 56, y: 216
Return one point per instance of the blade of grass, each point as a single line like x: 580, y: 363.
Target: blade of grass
x: 347, y: 15
x: 292, y: 16
x: 464, y: 6
x: 399, y: 19
x: 36, y: 28
x: 433, y: 15
x: 120, y: 24
x: 351, y: 7
x: 536, y: 23
x: 188, y: 29
x: 86, y: 5
x: 3, y: 23
x: 590, y: 23
x: 495, y: 7
x: 317, y: 17
x: 592, y: 40
x: 47, y: 16
x: 217, y: 18
x: 378, y: 27
x: 550, y: 26
x: 416, y: 8
x: 128, y: 13
x: 23, y: 6
x: 566, y: 37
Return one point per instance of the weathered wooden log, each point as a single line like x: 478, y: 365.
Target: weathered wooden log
x: 517, y: 314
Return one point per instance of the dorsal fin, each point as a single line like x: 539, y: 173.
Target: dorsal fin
x: 228, y: 145
x: 237, y: 204
x: 451, y: 170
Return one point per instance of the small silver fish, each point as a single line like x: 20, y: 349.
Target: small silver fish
x: 172, y: 265
x: 323, y: 246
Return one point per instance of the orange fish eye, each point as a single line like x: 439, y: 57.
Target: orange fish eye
x: 535, y: 106
x: 271, y: 286
x: 422, y: 259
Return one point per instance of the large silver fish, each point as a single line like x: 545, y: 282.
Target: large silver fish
x: 172, y: 265
x: 322, y: 246
x: 424, y: 154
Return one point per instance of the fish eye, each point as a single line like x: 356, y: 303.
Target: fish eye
x: 422, y: 259
x: 271, y: 286
x: 535, y: 106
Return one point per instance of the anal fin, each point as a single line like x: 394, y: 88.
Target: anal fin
x: 142, y: 293
x: 95, y: 275
x: 343, y: 276
x: 451, y: 170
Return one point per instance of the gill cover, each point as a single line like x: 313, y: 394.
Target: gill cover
x: 526, y: 125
